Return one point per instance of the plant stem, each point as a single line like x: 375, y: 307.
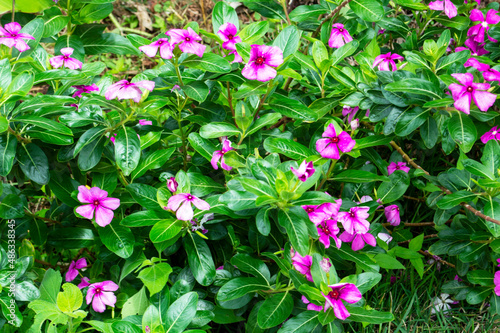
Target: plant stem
x: 333, y: 13
x: 176, y: 65
x: 13, y: 10
x: 327, y: 174
x: 230, y: 100
x: 283, y: 3
x: 263, y: 99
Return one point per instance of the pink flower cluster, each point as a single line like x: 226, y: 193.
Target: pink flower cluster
x: 475, y: 41
x: 227, y: 33
x: 186, y: 39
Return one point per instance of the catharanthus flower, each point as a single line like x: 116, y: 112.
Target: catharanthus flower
x: 498, y: 260
x: 393, y: 279
x: 65, y: 60
x: 10, y: 36
x: 358, y: 240
x: 355, y: 220
x: 311, y: 306
x: 263, y: 61
x: 393, y: 166
x: 187, y: 39
x: 198, y: 226
x: 161, y: 44
x: 480, y: 29
x: 219, y: 155
x: 457, y: 278
x: 327, y: 210
x: 492, y: 134
x: 476, y: 49
x: 83, y: 89
x: 385, y: 62
x: 332, y: 143
x: 327, y: 229
x: 72, y: 272
x: 124, y: 89
x: 325, y: 264
x: 84, y: 283
x: 182, y: 204
x: 237, y: 57
x: 339, y: 36
x: 227, y: 33
x: 341, y: 291
x: 304, y: 171
x: 449, y: 8
x: 496, y: 281
x: 101, y: 294
x: 489, y: 74
x: 386, y: 238
x: 441, y: 304
x: 144, y: 122
x: 392, y: 214
x: 99, y: 203
x: 303, y: 265
x: 469, y: 90
x: 172, y: 184
x: 351, y: 112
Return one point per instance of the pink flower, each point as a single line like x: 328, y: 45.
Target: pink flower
x: 263, y: 61
x: 99, y: 202
x: 327, y: 210
x: 449, y: 8
x: 304, y: 171
x: 330, y: 146
x: 162, y: 44
x: 327, y: 229
x: 358, y: 240
x: 457, y: 278
x: 463, y: 94
x: 339, y: 36
x: 84, y: 283
x: 10, y: 36
x: 492, y: 134
x: 200, y: 227
x: 72, y: 272
x: 496, y: 281
x: 489, y: 74
x: 303, y: 265
x: 325, y: 264
x: 480, y: 29
x: 397, y: 166
x: 355, y: 220
x: 219, y: 155
x: 386, y: 238
x: 341, y: 291
x: 83, y: 89
x: 172, y: 184
x: 311, y: 306
x: 144, y: 122
x: 128, y: 90
x: 227, y: 33
x: 101, y: 294
x: 385, y: 62
x: 392, y: 214
x: 347, y: 110
x: 65, y: 60
x: 237, y: 57
x: 476, y: 49
x: 182, y: 204
x: 498, y: 261
x: 187, y: 41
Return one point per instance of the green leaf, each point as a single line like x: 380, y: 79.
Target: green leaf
x: 164, y: 230
x: 451, y: 200
x: 410, y: 120
x: 144, y: 218
x: 275, y: 310
x: 8, y: 145
x: 199, y: 259
x: 491, y: 156
x: 26, y: 291
x: 19, y: 87
x: 369, y: 316
x: 216, y: 130
x: 304, y: 13
x: 305, y: 322
x: 118, y: 239
x: 269, y: 9
x: 288, y: 40
x: 34, y: 163
x: 368, y: 10
x: 359, y: 176
x: 395, y: 188
x: 292, y: 108
x: 95, y: 12
x: 180, y: 313
x: 11, y: 207
x: 258, y: 187
x: 388, y: 262
x: 223, y: 13
x: 481, y: 277
x: 91, y: 154
x: 127, y: 150
x: 210, y: 62
x: 154, y: 160
x: 415, y: 86
x: 239, y: 287
x: 202, y: 146
x: 287, y: 147
x: 88, y: 137
x: 50, y: 286
x: 344, y: 51
x: 251, y: 265
x: 462, y: 131
x: 45, y: 123
x: 429, y: 132
x: 196, y: 90
x: 373, y: 140
x: 362, y: 260
x: 136, y: 304
x: 295, y: 222
x: 145, y: 195
x: 155, y: 277
x: 253, y: 32
x: 477, y: 168
x: 97, y: 43
x: 70, y: 299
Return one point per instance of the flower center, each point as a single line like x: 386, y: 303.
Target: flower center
x: 352, y: 214
x: 190, y: 197
x: 65, y: 57
x: 469, y: 89
x: 341, y: 29
x: 335, y: 140
x: 230, y: 36
x: 98, y: 290
x: 484, y: 24
x: 326, y: 230
x: 334, y: 294
x: 188, y: 39
x: 96, y: 202
x: 397, y: 167
x: 309, y: 210
x: 160, y: 42
x: 494, y: 132
x: 259, y: 61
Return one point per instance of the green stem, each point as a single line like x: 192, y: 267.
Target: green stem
x: 176, y: 64
x: 13, y: 10
x: 327, y: 174
x: 68, y: 10
x: 263, y: 99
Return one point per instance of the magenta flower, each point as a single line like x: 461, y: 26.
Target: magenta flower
x: 330, y: 146
x: 489, y: 74
x: 101, y: 294
x: 385, y: 62
x: 10, y: 36
x: 325, y: 264
x: 65, y: 60
x: 476, y: 49
x: 397, y: 166
x: 195, y: 226
x: 263, y: 60
x: 496, y: 281
x: 492, y: 134
x: 392, y: 214
x: 355, y: 220
x: 227, y: 33
x: 449, y: 8
x: 303, y: 265
x: 358, y: 240
x: 161, y: 44
x: 498, y: 260
x: 128, y: 90
x: 327, y: 229
x: 187, y: 41
x: 83, y: 89
x: 144, y: 122
x: 463, y: 94
x: 99, y: 203
x: 339, y: 36
x: 327, y: 210
x: 219, y: 155
x: 172, y: 184
x: 341, y: 291
x: 237, y: 57
x: 347, y: 110
x: 304, y: 171
x: 84, y: 283
x: 182, y: 204
x: 311, y: 306
x: 386, y: 238
x: 480, y: 29
x: 457, y: 278
x: 72, y: 272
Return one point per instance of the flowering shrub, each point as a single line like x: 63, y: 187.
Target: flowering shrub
x: 259, y: 176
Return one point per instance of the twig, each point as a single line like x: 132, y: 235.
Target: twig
x: 413, y: 198
x: 230, y: 100
x: 44, y: 263
x: 279, y: 123
x: 329, y: 16
x: 440, y: 260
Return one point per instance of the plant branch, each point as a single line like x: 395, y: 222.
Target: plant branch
x: 329, y: 16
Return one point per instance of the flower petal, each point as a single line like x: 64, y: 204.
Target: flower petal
x: 103, y: 216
